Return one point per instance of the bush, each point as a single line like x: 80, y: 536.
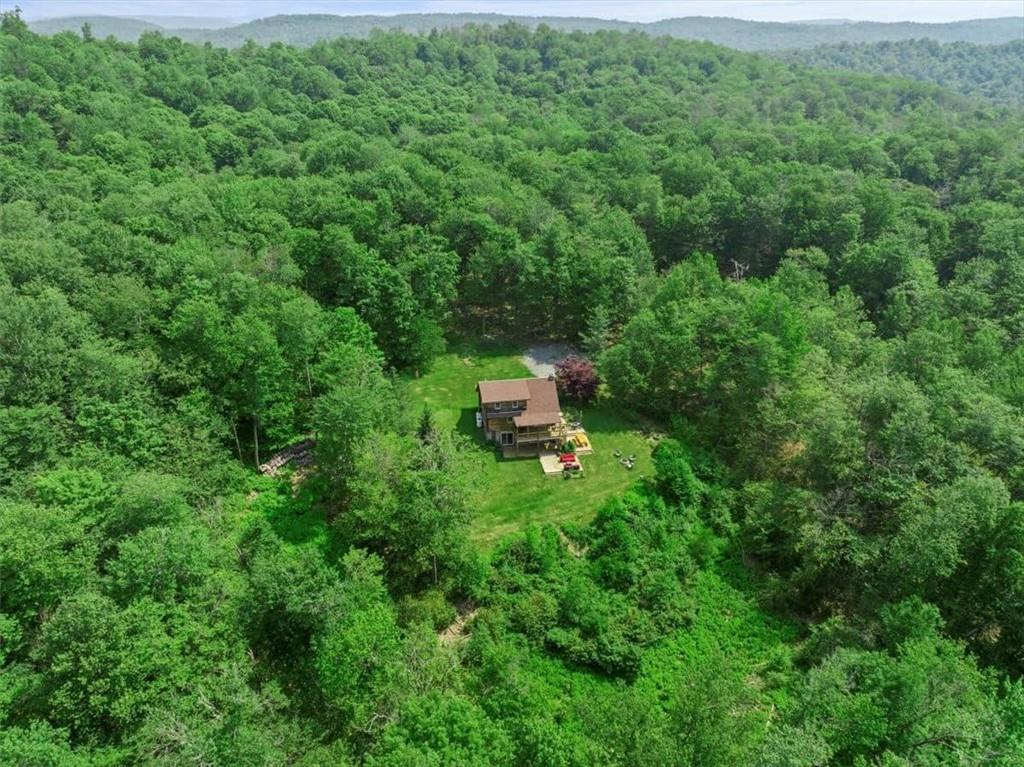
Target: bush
x: 577, y: 378
x: 674, y: 472
x: 430, y: 607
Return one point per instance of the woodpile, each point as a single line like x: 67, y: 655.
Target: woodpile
x: 298, y: 455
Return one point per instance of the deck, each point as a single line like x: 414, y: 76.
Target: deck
x: 535, y: 448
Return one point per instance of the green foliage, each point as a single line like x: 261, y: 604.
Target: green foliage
x: 357, y: 401
x: 986, y: 71
x: 410, y: 505
x: 674, y: 473
x: 596, y: 337
x: 161, y: 563
x: 812, y: 281
x: 45, y: 554
x: 149, y: 499
x: 227, y: 721
x: 438, y: 730
x: 431, y: 608
x: 104, y: 666
x: 599, y: 610
x: 353, y: 659
x: 919, y: 699
x: 426, y: 430
x: 714, y: 351
x: 39, y: 746
x: 30, y: 437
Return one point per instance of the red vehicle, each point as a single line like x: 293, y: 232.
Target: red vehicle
x: 570, y: 470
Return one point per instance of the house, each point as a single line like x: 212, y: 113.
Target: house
x: 522, y: 413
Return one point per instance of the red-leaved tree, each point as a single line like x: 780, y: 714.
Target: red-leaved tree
x: 577, y: 378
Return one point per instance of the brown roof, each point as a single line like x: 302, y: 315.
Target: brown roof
x: 543, y: 395
x: 539, y: 394
x: 504, y: 391
x: 529, y: 418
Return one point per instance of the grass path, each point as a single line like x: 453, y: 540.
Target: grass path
x: 514, y: 493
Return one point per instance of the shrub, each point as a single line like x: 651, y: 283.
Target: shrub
x: 577, y: 378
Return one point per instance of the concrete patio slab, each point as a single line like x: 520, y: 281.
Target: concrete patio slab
x: 550, y: 463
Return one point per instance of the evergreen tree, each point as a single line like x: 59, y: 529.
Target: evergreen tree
x: 426, y: 430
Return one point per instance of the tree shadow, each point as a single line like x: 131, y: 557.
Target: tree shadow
x: 474, y: 346
x: 466, y: 426
x: 296, y: 517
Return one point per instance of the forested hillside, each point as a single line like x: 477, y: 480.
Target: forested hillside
x: 306, y: 29
x: 989, y: 65
x: 809, y: 283
x: 126, y: 28
x: 993, y: 72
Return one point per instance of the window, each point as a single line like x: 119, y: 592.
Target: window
x: 507, y: 437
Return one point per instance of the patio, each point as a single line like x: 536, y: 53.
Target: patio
x: 553, y: 464
x: 549, y: 463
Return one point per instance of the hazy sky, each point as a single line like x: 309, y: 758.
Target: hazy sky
x: 635, y: 10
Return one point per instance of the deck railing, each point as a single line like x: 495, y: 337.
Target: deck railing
x: 535, y: 435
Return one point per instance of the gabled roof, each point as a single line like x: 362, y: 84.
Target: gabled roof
x: 539, y: 394
x: 543, y: 395
x: 504, y: 391
x: 529, y: 418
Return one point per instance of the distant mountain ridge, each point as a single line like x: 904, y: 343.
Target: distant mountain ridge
x: 179, y: 22
x: 736, y: 33
x: 991, y: 72
x: 102, y: 26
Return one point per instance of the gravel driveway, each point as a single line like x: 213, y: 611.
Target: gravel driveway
x: 541, y: 358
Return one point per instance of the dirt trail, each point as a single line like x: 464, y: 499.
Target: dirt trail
x: 455, y: 631
x: 575, y: 550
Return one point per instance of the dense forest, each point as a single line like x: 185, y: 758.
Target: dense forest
x: 811, y: 281
x: 992, y: 72
x: 981, y: 58
x: 306, y: 29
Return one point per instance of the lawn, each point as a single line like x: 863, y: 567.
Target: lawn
x: 515, y: 492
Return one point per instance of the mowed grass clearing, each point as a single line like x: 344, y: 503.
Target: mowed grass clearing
x: 514, y: 493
